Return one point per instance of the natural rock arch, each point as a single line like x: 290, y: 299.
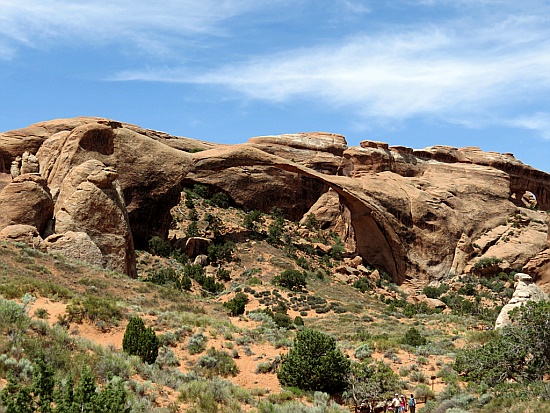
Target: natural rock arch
x: 376, y: 239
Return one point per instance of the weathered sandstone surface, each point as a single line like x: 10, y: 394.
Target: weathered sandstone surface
x: 417, y: 214
x: 526, y: 290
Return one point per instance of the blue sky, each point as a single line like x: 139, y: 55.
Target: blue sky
x: 407, y: 72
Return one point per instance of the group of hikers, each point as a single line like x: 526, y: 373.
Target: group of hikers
x: 400, y: 404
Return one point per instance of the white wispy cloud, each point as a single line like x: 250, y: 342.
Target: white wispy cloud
x: 539, y: 122
x: 459, y: 72
x: 142, y: 23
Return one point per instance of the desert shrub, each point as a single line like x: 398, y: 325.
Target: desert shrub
x: 368, y: 382
x: 166, y: 357
x: 237, y: 304
x: 275, y: 231
x: 252, y: 220
x: 303, y: 263
x: 210, y: 285
x: 291, y: 279
x: 221, y: 200
x: 214, y: 395
x: 311, y: 222
x: 186, y: 283
x: 413, y: 338
x: 250, y: 272
x: 95, y: 309
x: 213, y: 224
x: 216, y: 363
x: 43, y: 394
x: 337, y: 249
x: 41, y: 313
x: 314, y: 363
x: 223, y: 274
x: 163, y: 276
x: 363, y: 284
x: 201, y: 191
x: 487, y: 262
x: 468, y: 289
x: 299, y: 321
x: 195, y: 272
x: 140, y: 341
x: 192, y: 229
x: 197, y: 343
x: 221, y: 252
x: 519, y: 352
x: 418, y: 377
x: 362, y: 352
x: 435, y: 292
x: 159, y: 246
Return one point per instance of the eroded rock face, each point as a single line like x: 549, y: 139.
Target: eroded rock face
x: 90, y: 201
x: 149, y: 171
x: 75, y: 245
x: 26, y: 201
x: 414, y: 213
x: 22, y: 233
x: 526, y: 290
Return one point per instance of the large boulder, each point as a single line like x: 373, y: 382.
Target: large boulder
x: 90, y: 200
x: 526, y: 290
x: 22, y: 233
x: 74, y: 245
x: 26, y: 201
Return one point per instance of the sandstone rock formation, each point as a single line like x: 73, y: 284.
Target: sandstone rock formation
x: 77, y: 246
x: 526, y: 290
x: 26, y: 201
x: 91, y: 201
x: 419, y: 214
x: 27, y: 234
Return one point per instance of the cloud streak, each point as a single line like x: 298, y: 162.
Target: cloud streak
x: 33, y: 23
x: 458, y: 72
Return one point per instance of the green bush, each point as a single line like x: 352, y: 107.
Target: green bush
x: 363, y: 284
x: 44, y: 395
x: 362, y: 352
x: 413, y: 338
x: 217, y: 363
x: 237, y: 304
x: 201, y: 191
x: 435, y: 292
x: 291, y: 279
x: 192, y: 229
x: 519, y: 352
x: 95, y: 309
x: 196, y: 343
x: 252, y: 220
x: 487, y: 262
x: 314, y: 363
x: 223, y: 274
x: 311, y: 222
x: 221, y: 252
x: 370, y: 381
x: 140, y: 341
x: 221, y: 200
x: 159, y: 246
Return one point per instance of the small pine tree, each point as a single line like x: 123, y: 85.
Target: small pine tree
x: 16, y: 398
x: 237, y: 304
x: 140, y: 341
x: 85, y: 393
x: 43, y: 385
x: 314, y: 363
x: 414, y: 338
